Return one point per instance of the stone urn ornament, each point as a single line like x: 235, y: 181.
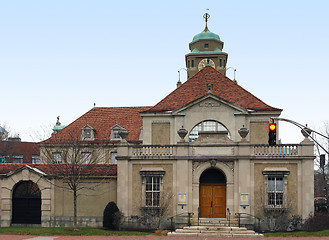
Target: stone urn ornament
x: 182, y: 133
x: 306, y: 131
x: 123, y: 133
x: 243, y: 133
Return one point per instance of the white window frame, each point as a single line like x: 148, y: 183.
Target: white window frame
x: 35, y: 159
x: 276, y: 174
x: 275, y: 193
x: 152, y: 186
x: 207, y: 126
x: 152, y: 191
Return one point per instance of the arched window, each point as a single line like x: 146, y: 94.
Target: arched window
x: 207, y: 126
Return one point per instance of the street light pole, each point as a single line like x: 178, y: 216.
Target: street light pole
x: 306, y: 130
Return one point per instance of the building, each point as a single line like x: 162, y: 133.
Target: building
x: 13, y: 150
x: 202, y: 150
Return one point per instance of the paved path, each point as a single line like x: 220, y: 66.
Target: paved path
x: 29, y: 237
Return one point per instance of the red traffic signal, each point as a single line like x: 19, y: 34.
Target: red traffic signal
x: 272, y: 126
x: 272, y: 134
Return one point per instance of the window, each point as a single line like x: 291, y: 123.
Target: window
x: 4, y: 159
x: 87, y: 133
x: 57, y: 157
x: 275, y: 191
x: 206, y: 45
x: 220, y: 62
x: 192, y: 63
x: 207, y: 126
x: 35, y: 159
x: 114, y: 157
x: 188, y: 64
x: 18, y: 158
x: 85, y: 157
x: 115, y: 132
x: 152, y: 191
x: 152, y: 186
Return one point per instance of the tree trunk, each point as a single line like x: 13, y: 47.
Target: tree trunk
x: 75, y: 220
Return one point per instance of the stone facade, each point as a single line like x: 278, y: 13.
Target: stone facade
x: 202, y: 151
x: 56, y: 200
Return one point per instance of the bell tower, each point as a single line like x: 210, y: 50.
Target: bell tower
x: 206, y: 50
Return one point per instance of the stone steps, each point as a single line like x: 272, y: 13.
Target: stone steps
x: 214, y: 230
x: 215, y: 222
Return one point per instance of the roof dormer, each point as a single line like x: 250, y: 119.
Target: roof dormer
x: 115, y: 132
x: 88, y: 133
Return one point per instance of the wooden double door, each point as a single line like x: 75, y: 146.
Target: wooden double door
x: 213, y: 200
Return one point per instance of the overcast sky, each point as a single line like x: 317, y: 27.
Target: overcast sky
x: 58, y: 58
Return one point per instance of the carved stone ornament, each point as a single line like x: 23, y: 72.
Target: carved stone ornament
x: 209, y: 104
x: 212, y: 162
x: 306, y: 131
x: 182, y: 133
x: 123, y: 133
x: 243, y: 132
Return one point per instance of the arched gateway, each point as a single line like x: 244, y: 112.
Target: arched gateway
x: 212, y: 194
x: 26, y: 208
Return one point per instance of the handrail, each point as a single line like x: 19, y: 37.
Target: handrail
x: 250, y: 215
x: 228, y: 216
x: 189, y: 215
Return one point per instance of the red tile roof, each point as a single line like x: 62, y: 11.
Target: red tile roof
x: 94, y: 170
x: 223, y: 87
x: 102, y: 119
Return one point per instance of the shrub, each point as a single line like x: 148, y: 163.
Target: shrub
x: 318, y: 222
x: 112, y: 216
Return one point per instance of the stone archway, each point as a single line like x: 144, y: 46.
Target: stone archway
x: 212, y: 194
x: 227, y: 168
x: 26, y: 203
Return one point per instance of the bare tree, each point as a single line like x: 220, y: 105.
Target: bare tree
x: 73, y: 161
x: 3, y: 133
x: 153, y: 216
x: 321, y: 174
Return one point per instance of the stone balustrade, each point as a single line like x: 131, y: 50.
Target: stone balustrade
x: 253, y: 150
x: 153, y: 150
x: 277, y: 150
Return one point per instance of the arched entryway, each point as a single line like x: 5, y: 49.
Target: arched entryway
x: 26, y: 203
x: 212, y: 194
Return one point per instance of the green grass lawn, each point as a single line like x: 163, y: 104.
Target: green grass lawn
x: 67, y: 231
x: 298, y: 234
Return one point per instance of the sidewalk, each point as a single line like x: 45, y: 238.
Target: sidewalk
x: 29, y: 237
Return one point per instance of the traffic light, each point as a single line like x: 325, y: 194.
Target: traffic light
x: 272, y: 134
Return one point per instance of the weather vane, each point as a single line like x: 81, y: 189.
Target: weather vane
x: 206, y: 16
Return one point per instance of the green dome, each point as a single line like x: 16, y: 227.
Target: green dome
x: 206, y: 34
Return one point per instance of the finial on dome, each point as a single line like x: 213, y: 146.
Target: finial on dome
x: 206, y: 16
